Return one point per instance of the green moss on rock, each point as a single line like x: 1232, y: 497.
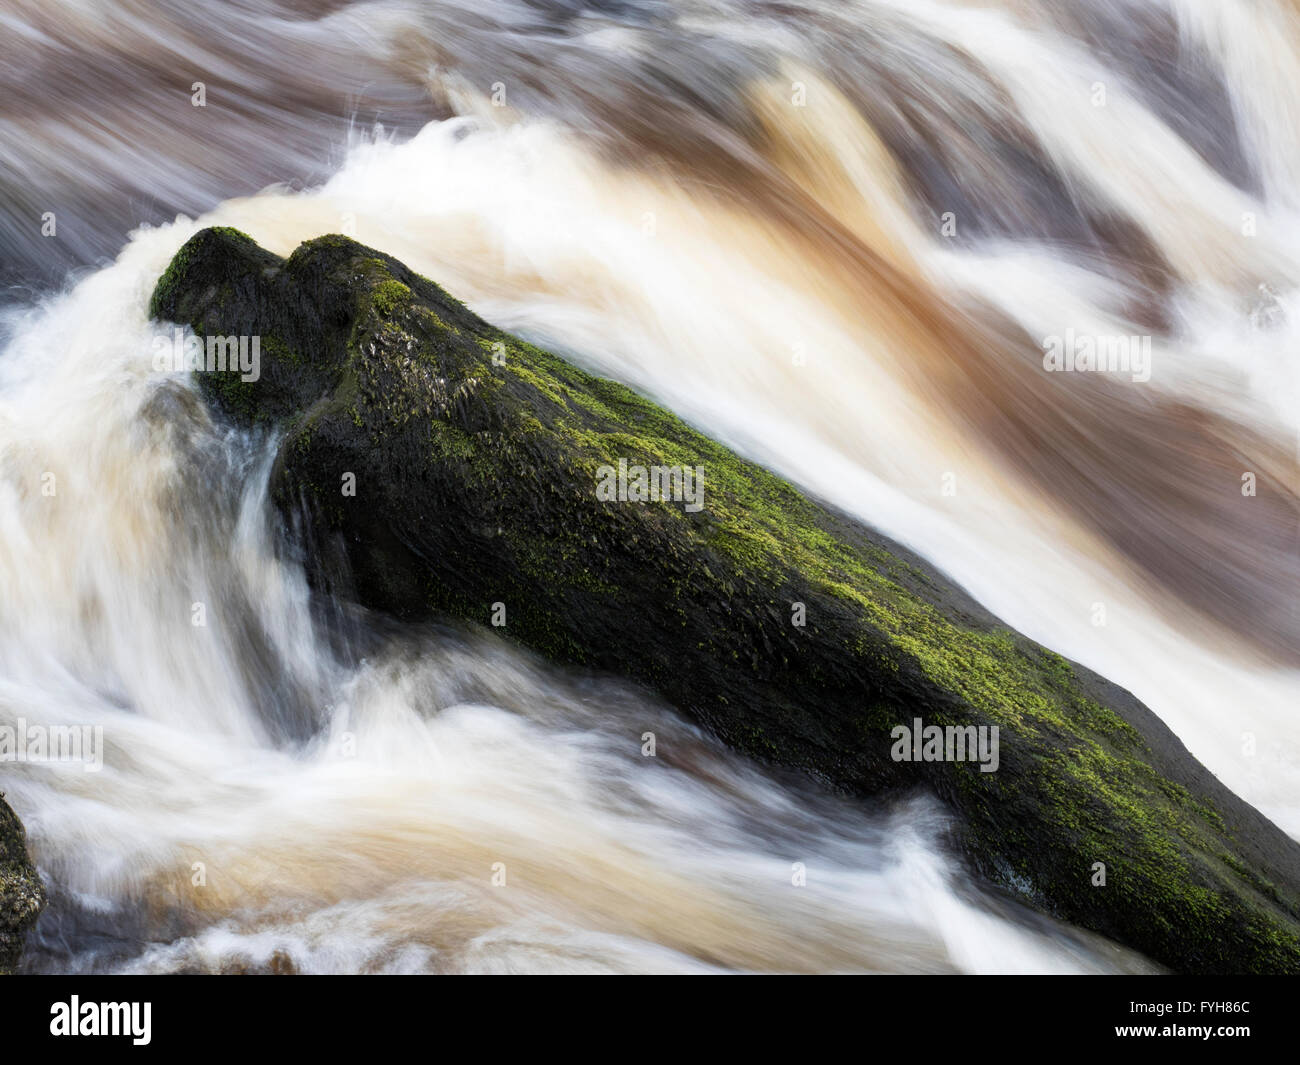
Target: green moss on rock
x: 475, y: 457
x: 22, y: 896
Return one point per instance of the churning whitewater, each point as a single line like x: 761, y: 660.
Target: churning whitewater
x: 837, y: 237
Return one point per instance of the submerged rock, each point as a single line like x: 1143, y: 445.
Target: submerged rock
x: 440, y: 467
x: 22, y: 896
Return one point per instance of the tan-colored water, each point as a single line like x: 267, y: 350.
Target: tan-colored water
x: 745, y: 218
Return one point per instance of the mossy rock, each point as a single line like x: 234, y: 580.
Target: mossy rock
x: 22, y: 896
x: 476, y: 457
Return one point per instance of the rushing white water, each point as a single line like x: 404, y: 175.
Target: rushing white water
x: 349, y: 817
x: 347, y: 790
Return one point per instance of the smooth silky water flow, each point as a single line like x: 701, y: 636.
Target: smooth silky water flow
x: 739, y: 209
